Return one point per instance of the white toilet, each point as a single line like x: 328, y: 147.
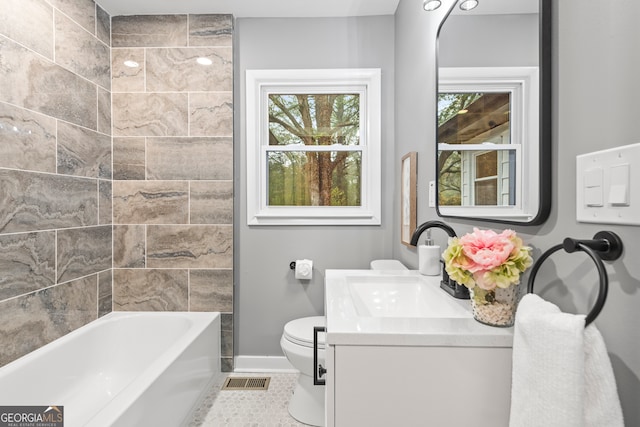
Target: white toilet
x: 307, y: 403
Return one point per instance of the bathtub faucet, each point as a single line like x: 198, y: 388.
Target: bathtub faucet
x: 451, y: 286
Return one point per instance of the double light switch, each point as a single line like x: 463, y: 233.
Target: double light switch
x: 608, y: 190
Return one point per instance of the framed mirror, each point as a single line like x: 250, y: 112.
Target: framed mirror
x: 494, y: 112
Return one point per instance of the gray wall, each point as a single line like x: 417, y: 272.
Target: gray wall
x: 267, y: 295
x: 488, y: 41
x: 596, y: 64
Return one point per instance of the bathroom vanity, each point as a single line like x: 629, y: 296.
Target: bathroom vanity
x: 400, y: 351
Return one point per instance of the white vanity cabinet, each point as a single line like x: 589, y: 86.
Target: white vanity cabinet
x: 404, y: 353
x: 419, y: 386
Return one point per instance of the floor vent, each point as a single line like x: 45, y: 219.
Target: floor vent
x: 246, y: 383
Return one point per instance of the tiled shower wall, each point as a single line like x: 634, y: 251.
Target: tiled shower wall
x: 173, y: 166
x: 142, y: 221
x: 55, y: 170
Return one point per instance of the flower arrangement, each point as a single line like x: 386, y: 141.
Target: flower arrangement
x: 487, y: 259
x: 488, y: 264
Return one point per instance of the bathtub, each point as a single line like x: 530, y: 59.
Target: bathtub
x: 124, y: 369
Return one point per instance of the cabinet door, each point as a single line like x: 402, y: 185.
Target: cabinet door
x: 421, y: 386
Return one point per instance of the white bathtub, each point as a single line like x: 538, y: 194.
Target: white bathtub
x: 124, y: 369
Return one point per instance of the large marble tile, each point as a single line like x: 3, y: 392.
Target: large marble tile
x: 129, y: 246
x: 149, y: 30
x: 211, y: 290
x: 226, y: 336
x: 150, y: 114
x: 226, y: 321
x: 33, y: 201
x: 30, y: 23
x: 36, y: 319
x: 190, y: 158
x: 226, y: 343
x: 103, y: 25
x: 189, y: 246
x: 210, y: 30
x: 178, y: 69
x: 105, y: 292
x: 83, y: 251
x: 150, y: 202
x: 83, y: 152
x: 211, y: 114
x: 81, y: 11
x: 129, y: 158
x: 105, y: 202
x: 226, y: 364
x: 30, y: 81
x: 125, y: 77
x: 104, y: 111
x: 28, y: 139
x: 82, y: 52
x: 150, y: 290
x: 27, y: 263
x: 211, y: 202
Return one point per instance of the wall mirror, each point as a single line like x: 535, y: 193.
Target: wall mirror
x: 494, y: 112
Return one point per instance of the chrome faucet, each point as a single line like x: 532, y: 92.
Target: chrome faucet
x: 451, y: 286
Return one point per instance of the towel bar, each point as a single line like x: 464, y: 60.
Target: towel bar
x: 605, y: 245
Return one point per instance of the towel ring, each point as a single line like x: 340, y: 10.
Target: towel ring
x: 607, y: 245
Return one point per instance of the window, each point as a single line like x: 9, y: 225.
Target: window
x: 486, y: 124
x: 313, y: 147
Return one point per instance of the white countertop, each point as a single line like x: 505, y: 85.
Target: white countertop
x: 346, y: 327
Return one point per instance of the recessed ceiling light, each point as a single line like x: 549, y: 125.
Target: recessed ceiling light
x: 430, y: 5
x: 469, y: 4
x: 131, y: 63
x: 204, y: 61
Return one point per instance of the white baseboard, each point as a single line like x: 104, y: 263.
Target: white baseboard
x: 262, y: 364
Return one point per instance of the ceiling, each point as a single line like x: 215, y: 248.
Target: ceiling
x: 253, y: 8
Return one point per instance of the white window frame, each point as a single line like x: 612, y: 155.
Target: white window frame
x: 523, y: 85
x: 261, y: 83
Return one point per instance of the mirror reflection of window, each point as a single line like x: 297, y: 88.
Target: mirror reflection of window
x: 502, y: 46
x: 476, y: 177
x: 485, y: 189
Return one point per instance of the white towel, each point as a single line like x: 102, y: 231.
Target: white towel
x: 562, y: 375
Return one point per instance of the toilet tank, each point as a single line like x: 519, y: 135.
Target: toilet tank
x: 387, y: 264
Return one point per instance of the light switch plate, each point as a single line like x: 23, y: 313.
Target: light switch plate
x: 432, y: 194
x: 617, y: 199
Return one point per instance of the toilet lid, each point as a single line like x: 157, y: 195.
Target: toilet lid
x: 300, y: 331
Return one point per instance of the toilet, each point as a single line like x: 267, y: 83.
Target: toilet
x: 307, y: 403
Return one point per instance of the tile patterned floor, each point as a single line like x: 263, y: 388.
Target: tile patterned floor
x: 248, y: 408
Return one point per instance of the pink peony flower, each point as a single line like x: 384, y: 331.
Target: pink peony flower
x: 486, y: 249
x: 486, y: 259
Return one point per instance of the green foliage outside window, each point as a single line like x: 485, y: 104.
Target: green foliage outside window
x: 303, y: 175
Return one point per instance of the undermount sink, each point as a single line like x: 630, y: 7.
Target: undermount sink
x: 393, y: 307
x: 378, y: 317
x: 402, y: 296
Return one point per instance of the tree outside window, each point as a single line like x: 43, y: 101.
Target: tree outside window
x: 313, y: 147
x: 309, y: 177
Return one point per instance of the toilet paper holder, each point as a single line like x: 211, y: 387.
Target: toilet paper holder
x: 303, y: 268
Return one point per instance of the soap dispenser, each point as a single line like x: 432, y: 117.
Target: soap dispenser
x: 429, y: 257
